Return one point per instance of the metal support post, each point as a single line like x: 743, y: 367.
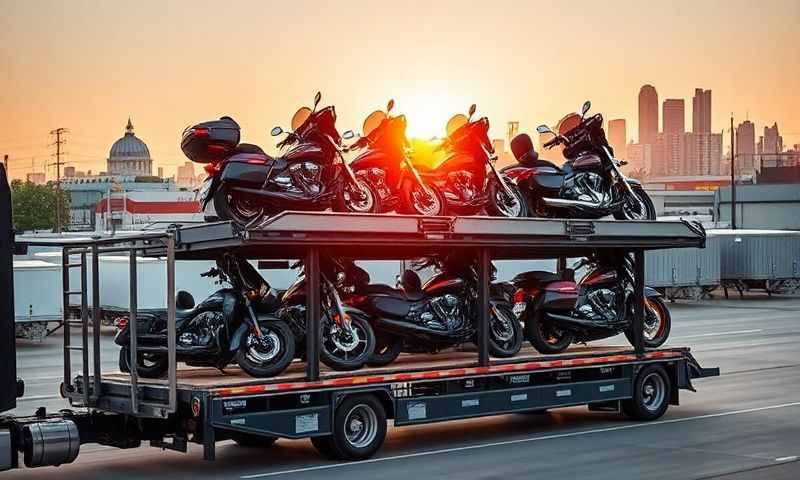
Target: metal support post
x: 65, y: 317
x: 484, y: 279
x: 313, y: 314
x: 171, y: 326
x: 638, y: 301
x: 133, y: 361
x: 85, y: 328
x: 562, y: 265
x: 96, y: 320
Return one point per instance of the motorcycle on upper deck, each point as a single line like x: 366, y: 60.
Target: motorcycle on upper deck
x: 462, y: 177
x: 387, y: 168
x: 590, y: 185
x: 245, y: 184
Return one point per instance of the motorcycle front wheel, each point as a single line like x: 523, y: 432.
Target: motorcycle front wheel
x: 268, y: 355
x: 505, y: 332
x: 639, y: 208
x: 500, y: 205
x: 416, y: 201
x: 230, y: 207
x: 657, y: 323
x: 344, y: 349
x: 360, y: 198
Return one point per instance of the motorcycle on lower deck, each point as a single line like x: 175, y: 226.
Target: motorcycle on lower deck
x: 427, y: 318
x: 232, y: 325
x: 245, y: 184
x: 558, y: 312
x: 462, y: 177
x: 387, y: 168
x: 590, y: 184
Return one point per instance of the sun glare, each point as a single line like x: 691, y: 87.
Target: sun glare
x: 428, y: 112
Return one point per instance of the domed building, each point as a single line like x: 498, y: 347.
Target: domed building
x: 129, y: 155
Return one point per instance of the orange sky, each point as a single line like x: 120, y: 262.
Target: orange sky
x: 89, y: 65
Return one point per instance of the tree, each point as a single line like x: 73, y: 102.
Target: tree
x: 35, y: 206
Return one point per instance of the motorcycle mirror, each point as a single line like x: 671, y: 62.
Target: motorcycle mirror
x: 586, y: 106
x: 276, y: 131
x: 390, y: 106
x: 543, y: 129
x: 348, y: 135
x: 472, y: 109
x: 317, y: 98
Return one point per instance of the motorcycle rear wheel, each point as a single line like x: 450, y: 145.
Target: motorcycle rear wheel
x: 240, y: 211
x: 149, y: 365
x: 270, y: 355
x: 500, y: 206
x: 544, y: 337
x: 387, y: 349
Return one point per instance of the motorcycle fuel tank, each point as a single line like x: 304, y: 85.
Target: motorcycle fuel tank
x: 440, y: 285
x: 387, y: 306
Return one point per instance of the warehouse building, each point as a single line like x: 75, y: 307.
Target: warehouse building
x: 771, y: 206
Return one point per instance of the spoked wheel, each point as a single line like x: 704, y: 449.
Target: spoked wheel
x: 505, y: 332
x: 657, y: 323
x: 417, y: 201
x: 502, y: 205
x: 387, y: 349
x: 359, y: 198
x: 638, y: 207
x: 268, y: 355
x: 651, y: 393
x: 545, y: 336
x: 346, y: 348
x: 230, y: 206
x: 359, y: 428
x: 150, y: 365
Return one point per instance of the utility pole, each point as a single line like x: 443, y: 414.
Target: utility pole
x: 733, y: 176
x: 59, y: 133
x: 5, y: 161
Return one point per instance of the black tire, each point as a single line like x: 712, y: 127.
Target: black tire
x: 250, y: 440
x: 359, y: 429
x: 229, y: 207
x: 545, y: 337
x: 505, y: 335
x: 410, y: 190
x: 627, y: 212
x: 269, y: 357
x: 371, y: 202
x: 495, y: 205
x: 658, y: 323
x: 150, y: 365
x: 336, y: 358
x: 651, y: 393
x: 387, y: 349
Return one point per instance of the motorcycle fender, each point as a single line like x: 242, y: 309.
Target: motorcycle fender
x: 633, y: 181
x: 650, y: 292
x: 238, y: 337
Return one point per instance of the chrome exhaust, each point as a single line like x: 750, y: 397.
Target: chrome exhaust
x: 564, y: 203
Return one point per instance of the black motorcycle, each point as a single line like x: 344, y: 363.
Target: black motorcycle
x: 557, y: 312
x: 233, y: 324
x: 385, y: 165
x: 245, y: 184
x: 347, y: 338
x: 440, y: 314
x: 590, y: 184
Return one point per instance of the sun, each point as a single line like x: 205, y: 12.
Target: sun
x: 428, y: 112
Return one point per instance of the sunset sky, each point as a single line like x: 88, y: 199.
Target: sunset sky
x: 88, y: 66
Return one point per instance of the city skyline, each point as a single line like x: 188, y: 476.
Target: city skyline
x: 147, y: 65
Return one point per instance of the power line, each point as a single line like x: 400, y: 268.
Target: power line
x: 59, y: 133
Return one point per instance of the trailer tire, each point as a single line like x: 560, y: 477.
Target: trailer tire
x: 651, y: 393
x: 253, y: 441
x: 359, y: 428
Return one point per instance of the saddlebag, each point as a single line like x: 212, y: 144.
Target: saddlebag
x: 210, y: 142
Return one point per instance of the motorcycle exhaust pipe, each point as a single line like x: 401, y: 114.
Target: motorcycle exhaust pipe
x: 572, y: 321
x: 564, y: 203
x: 402, y: 328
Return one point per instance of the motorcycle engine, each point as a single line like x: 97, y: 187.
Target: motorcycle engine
x: 461, y: 183
x: 202, y: 331
x: 302, y: 177
x: 584, y: 186
x: 377, y: 178
x: 600, y: 306
x: 443, y: 313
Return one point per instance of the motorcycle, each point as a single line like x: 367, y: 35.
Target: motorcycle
x: 557, y: 311
x: 232, y: 325
x: 387, y: 168
x: 347, y: 339
x: 463, y: 178
x: 245, y: 184
x: 590, y: 185
x: 440, y: 314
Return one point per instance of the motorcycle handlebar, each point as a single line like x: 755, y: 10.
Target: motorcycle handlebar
x: 211, y: 273
x: 555, y: 141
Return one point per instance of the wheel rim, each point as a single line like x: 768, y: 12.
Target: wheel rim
x: 425, y: 203
x: 551, y: 334
x: 361, y: 426
x: 264, y: 349
x: 653, y: 320
x: 653, y: 391
x: 346, y: 344
x: 502, y: 329
x: 508, y: 205
x: 634, y: 208
x: 361, y: 201
x: 243, y: 209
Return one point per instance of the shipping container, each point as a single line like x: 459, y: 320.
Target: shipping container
x: 685, y: 272
x: 764, y: 259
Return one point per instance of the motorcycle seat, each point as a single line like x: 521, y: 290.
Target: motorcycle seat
x: 535, y: 278
x: 249, y: 148
x: 411, y: 285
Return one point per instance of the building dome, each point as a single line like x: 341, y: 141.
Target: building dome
x: 129, y: 155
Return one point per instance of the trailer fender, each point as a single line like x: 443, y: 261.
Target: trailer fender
x: 383, y: 394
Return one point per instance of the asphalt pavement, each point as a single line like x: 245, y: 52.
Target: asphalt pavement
x: 744, y: 424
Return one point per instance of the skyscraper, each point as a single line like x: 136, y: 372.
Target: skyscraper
x: 648, y: 114
x: 745, y: 146
x: 771, y: 142
x: 617, y: 137
x: 673, y: 114
x: 703, y: 153
x: 701, y: 111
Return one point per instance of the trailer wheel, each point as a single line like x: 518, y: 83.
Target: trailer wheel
x: 651, y: 393
x: 251, y: 441
x: 359, y: 428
